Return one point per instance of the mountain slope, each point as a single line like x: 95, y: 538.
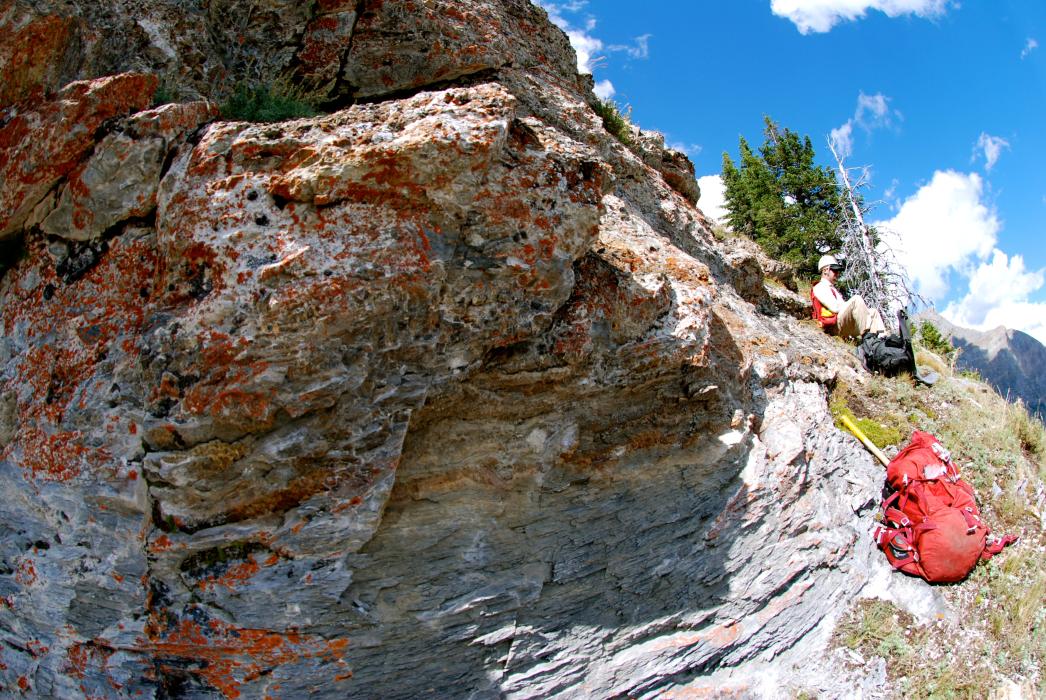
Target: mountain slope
x: 1013, y: 362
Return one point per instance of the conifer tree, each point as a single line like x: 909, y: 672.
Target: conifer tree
x: 782, y: 200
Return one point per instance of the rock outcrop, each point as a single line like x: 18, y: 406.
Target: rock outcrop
x: 446, y: 393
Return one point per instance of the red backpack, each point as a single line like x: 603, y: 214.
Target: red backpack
x: 930, y: 524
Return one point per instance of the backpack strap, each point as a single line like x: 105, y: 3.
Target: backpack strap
x: 897, y: 545
x: 996, y: 545
x: 972, y: 521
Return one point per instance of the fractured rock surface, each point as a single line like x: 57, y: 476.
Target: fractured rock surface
x: 444, y: 393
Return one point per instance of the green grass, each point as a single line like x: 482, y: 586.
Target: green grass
x: 1029, y: 431
x: 876, y: 628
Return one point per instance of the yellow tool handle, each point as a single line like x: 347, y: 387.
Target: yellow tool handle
x: 864, y: 439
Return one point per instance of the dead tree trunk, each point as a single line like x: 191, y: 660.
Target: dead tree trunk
x: 872, y: 269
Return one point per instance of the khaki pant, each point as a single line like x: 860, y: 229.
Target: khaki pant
x: 856, y: 319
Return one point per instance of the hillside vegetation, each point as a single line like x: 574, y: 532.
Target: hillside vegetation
x: 996, y: 641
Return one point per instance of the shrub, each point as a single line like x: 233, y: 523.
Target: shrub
x: 267, y: 103
x: 933, y: 340
x: 614, y: 121
x: 164, y: 94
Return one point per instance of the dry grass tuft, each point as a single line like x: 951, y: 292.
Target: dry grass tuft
x: 929, y: 360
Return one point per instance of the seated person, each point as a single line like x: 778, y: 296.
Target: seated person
x: 851, y: 317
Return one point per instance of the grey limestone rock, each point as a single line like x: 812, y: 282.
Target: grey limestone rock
x: 446, y: 393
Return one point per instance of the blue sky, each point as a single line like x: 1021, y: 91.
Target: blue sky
x: 944, y: 102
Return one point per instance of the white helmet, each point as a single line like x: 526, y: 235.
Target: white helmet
x: 826, y: 261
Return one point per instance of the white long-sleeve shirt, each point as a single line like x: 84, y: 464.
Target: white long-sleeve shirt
x: 829, y: 296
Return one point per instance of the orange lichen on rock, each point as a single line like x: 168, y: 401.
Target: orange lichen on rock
x: 232, y: 655
x: 59, y: 368
x: 83, y: 656
x: 58, y: 456
x: 235, y: 575
x: 31, y: 56
x: 31, y: 166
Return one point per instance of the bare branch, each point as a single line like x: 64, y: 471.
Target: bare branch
x: 872, y: 268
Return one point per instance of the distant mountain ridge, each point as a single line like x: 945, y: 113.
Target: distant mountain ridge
x: 1010, y: 360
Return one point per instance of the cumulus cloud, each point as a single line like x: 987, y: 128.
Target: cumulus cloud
x: 604, y: 89
x: 713, y: 197
x: 999, y: 280
x: 821, y: 15
x: 872, y: 112
x: 1029, y: 46
x: 945, y: 235
x: 942, y: 229
x: 999, y: 296
x: 990, y: 147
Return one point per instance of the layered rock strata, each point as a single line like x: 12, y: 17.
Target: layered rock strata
x: 446, y: 393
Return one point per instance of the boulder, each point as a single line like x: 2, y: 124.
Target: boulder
x: 43, y: 141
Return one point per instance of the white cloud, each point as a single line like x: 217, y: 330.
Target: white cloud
x: 640, y: 50
x: 999, y: 296
x: 842, y: 139
x: 691, y: 150
x: 946, y: 233
x: 713, y: 197
x: 1029, y: 46
x: 587, y: 46
x: 821, y: 15
x: 890, y: 195
x: 991, y: 148
x: 872, y: 112
x: 1000, y: 280
x: 943, y: 228
x: 604, y: 89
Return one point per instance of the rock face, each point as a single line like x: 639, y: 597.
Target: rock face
x: 444, y: 393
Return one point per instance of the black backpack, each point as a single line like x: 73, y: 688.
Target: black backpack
x: 891, y: 354
x: 887, y: 355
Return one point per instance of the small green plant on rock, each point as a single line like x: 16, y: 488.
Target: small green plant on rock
x: 164, y: 94
x: 614, y: 121
x: 277, y: 102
